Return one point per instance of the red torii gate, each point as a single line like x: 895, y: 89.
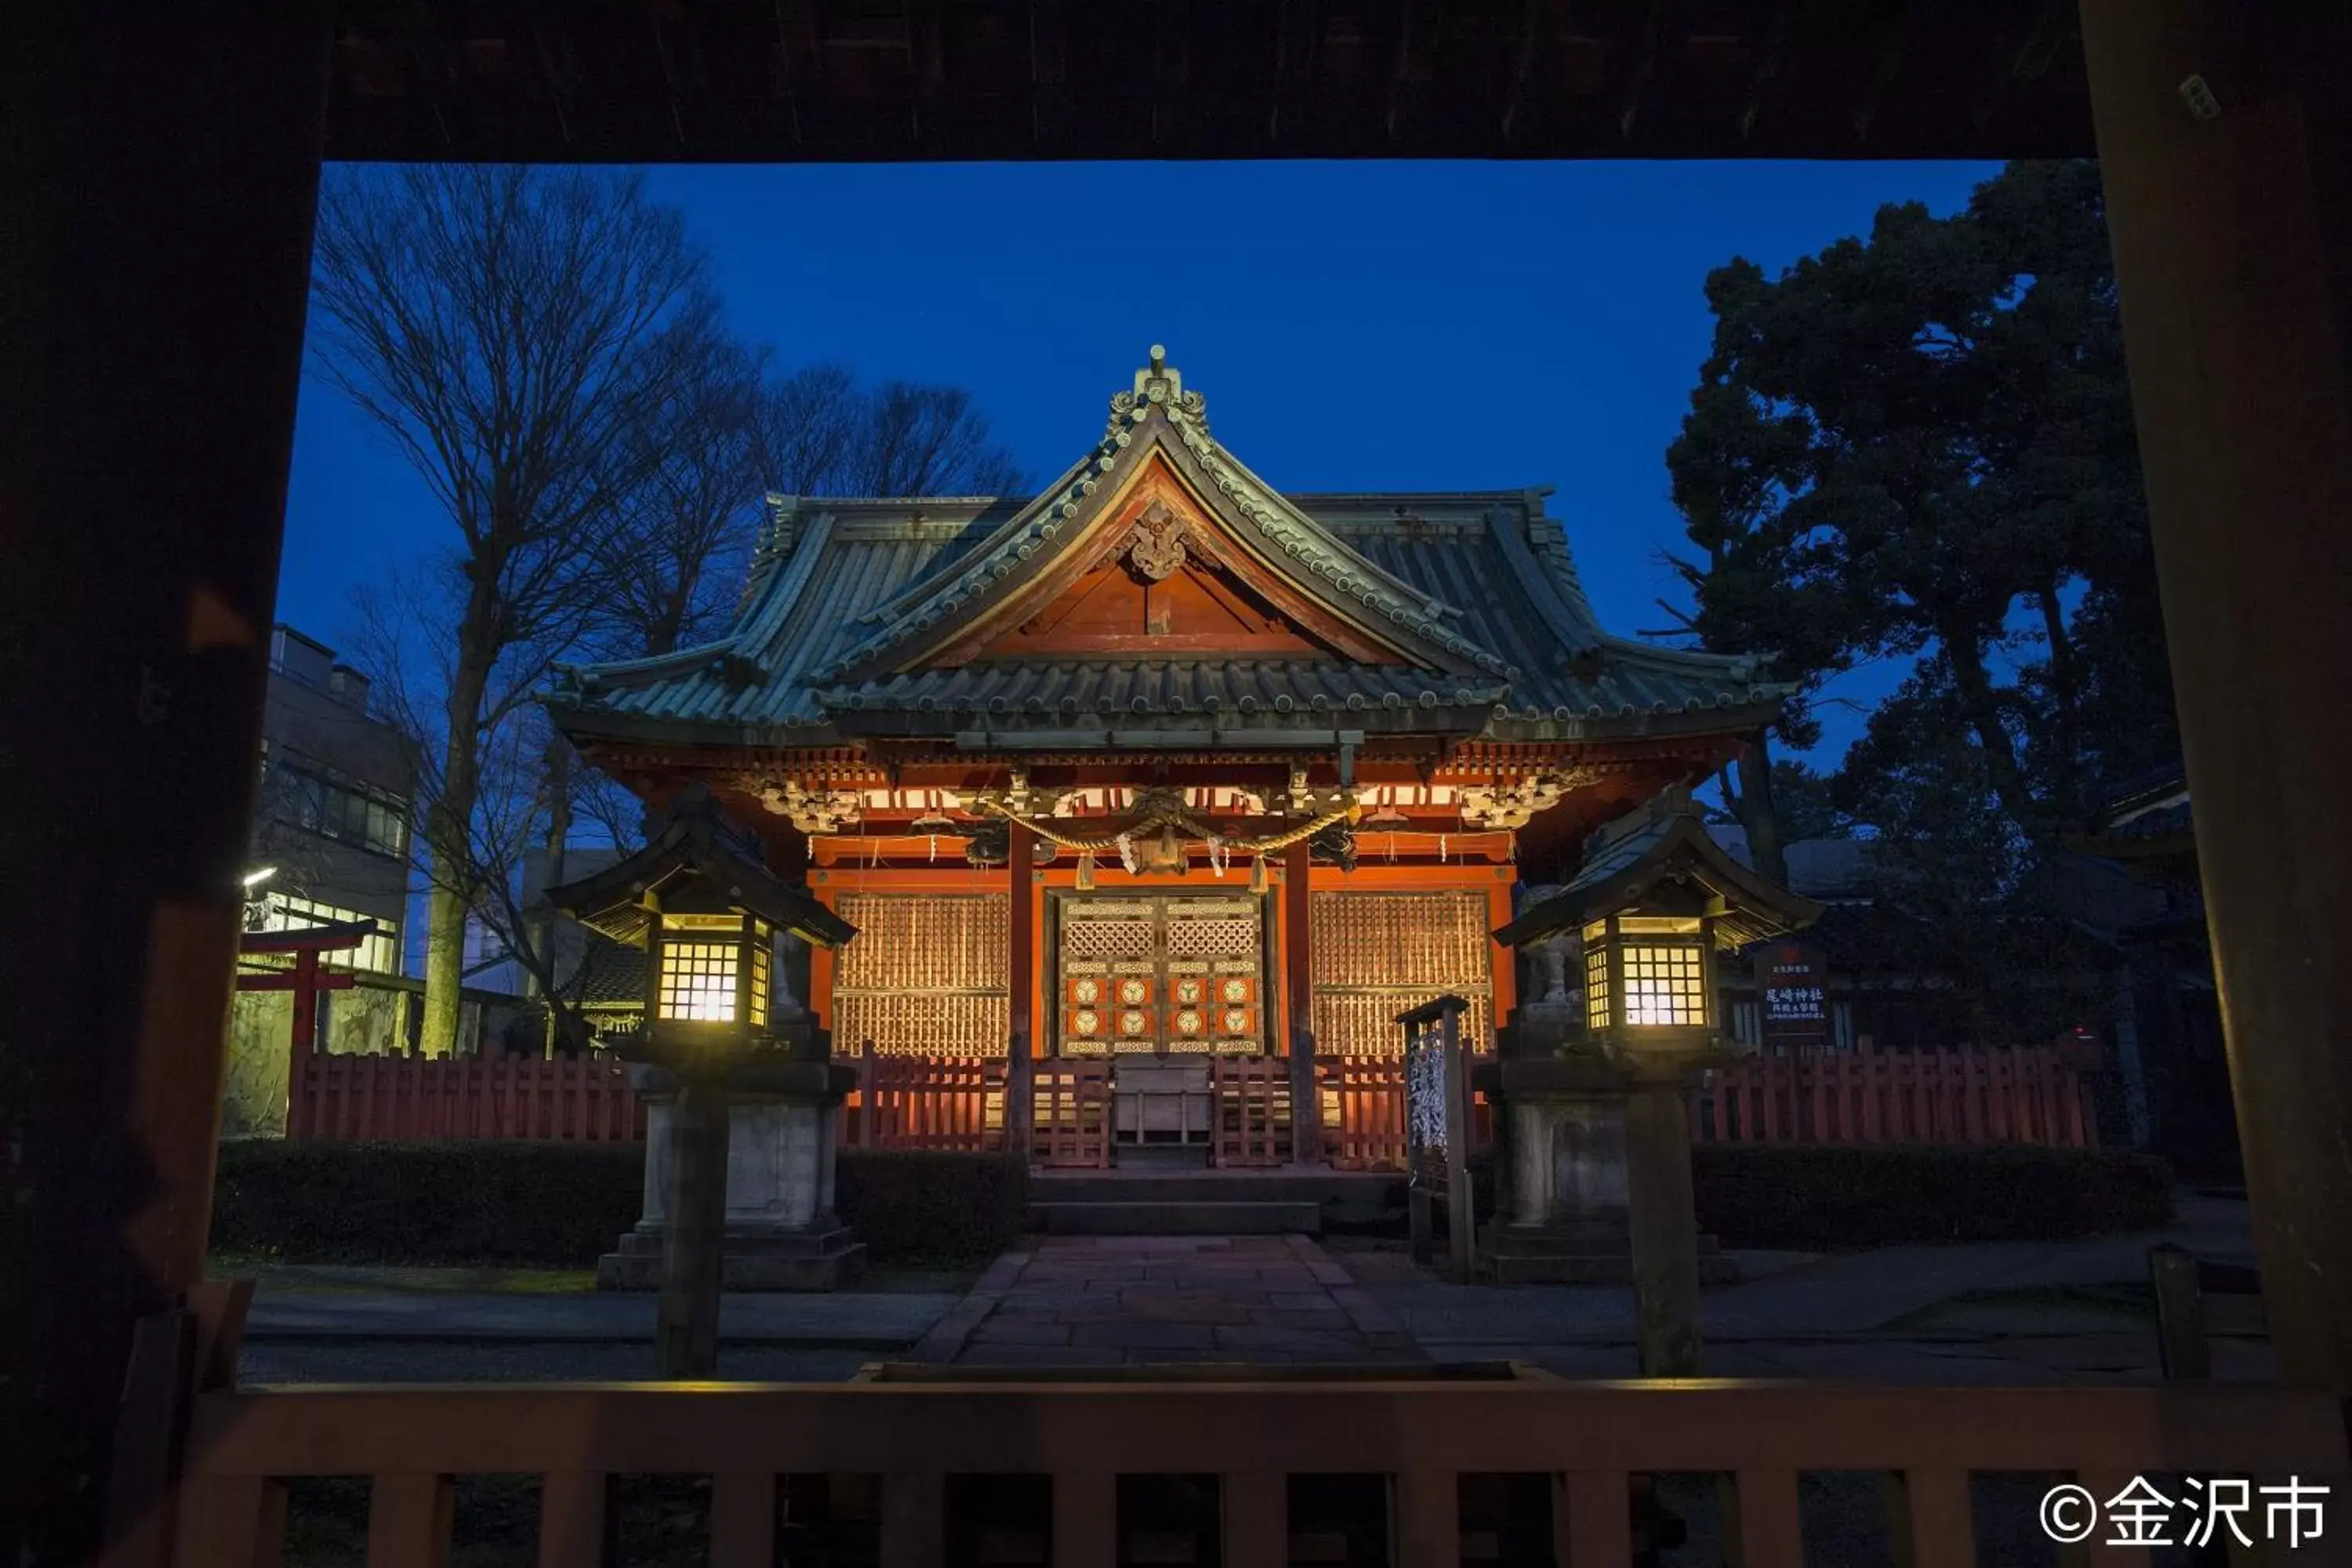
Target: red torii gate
x: 305, y: 979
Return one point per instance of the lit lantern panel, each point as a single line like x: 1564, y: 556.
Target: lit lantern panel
x: 1664, y: 985
x: 702, y: 959
x: 698, y: 981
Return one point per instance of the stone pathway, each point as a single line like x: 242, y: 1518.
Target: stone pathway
x: 1147, y: 1300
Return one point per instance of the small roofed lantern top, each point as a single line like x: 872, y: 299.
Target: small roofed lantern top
x: 1661, y: 855
x: 699, y: 899
x: 1653, y: 902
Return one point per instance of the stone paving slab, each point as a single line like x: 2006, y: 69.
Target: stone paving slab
x: 1142, y: 1300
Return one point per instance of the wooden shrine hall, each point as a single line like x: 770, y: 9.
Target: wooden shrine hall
x: 1163, y: 767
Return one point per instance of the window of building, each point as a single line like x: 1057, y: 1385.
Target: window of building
x: 380, y: 953
x: 331, y: 803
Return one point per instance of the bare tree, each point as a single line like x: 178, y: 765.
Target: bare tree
x: 671, y: 568
x: 513, y: 332
x: 820, y: 433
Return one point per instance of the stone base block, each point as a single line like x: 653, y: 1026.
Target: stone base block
x: 827, y: 1259
x: 1581, y: 1255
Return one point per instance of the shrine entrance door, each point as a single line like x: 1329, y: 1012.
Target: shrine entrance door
x: 1160, y: 974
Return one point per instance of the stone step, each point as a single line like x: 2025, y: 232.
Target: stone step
x: 1176, y: 1216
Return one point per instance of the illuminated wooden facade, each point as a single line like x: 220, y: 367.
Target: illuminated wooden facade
x: 1162, y: 763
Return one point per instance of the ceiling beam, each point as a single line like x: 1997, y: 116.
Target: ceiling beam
x: 1772, y: 60
x: 1894, y: 44
x: 2027, y: 57
x: 1537, y: 11
x: 1644, y: 66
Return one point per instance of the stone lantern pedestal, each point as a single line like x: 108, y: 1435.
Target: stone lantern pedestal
x: 1569, y: 1214
x: 781, y: 1232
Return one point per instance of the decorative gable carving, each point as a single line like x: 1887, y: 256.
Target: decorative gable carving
x: 1156, y: 577
x: 1155, y: 546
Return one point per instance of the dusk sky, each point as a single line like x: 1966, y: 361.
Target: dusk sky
x: 1354, y: 326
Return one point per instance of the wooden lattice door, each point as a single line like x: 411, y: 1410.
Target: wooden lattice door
x: 1160, y: 975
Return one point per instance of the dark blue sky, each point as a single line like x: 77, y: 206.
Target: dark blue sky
x: 1354, y: 326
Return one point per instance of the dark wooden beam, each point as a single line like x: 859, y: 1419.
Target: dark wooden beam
x: 1772, y: 60
x: 1643, y: 66
x: 1538, y: 13
x: 1886, y: 64
x: 2025, y: 57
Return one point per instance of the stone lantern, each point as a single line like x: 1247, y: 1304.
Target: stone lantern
x: 1596, y: 1124
x: 741, y: 1096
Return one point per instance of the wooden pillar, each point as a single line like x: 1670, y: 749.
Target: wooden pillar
x: 161, y: 166
x: 1663, y: 1213
x: 2233, y: 240
x: 1020, y: 977
x: 1298, y: 1004
x: 694, y: 1242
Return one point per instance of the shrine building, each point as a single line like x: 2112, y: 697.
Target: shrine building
x: 1162, y: 763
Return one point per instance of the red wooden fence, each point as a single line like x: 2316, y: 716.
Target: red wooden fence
x: 2009, y: 1095
x: 1071, y: 1098
x: 571, y: 1098
x: 926, y: 1102
x: 1249, y: 1099
x: 1364, y: 1111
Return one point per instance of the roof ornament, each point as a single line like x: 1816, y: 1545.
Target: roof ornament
x: 1158, y: 385
x: 1155, y: 548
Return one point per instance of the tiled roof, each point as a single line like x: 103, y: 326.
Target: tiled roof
x: 1482, y: 580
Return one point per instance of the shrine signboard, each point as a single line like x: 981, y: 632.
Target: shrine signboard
x: 1793, y: 1005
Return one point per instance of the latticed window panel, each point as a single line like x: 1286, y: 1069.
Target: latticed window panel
x: 1212, y: 937
x: 1664, y: 984
x: 1374, y: 956
x: 1596, y: 988
x: 698, y: 981
x: 928, y: 974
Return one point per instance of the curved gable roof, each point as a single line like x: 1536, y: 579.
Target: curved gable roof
x: 1476, y: 591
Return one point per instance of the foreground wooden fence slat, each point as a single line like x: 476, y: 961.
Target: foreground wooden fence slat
x: 1591, y: 1437
x: 2009, y: 1095
x: 571, y: 1098
x: 925, y: 1102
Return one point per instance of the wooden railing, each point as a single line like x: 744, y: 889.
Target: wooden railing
x: 1364, y: 1111
x: 1423, y: 1436
x: 2010, y: 1095
x: 925, y: 1102
x: 1249, y: 1100
x: 574, y: 1098
x: 1071, y: 1105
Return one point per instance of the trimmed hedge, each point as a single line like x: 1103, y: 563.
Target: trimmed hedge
x: 1839, y: 1197
x: 562, y: 1205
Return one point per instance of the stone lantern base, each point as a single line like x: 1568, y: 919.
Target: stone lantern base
x: 781, y: 1232
x: 1569, y: 1219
